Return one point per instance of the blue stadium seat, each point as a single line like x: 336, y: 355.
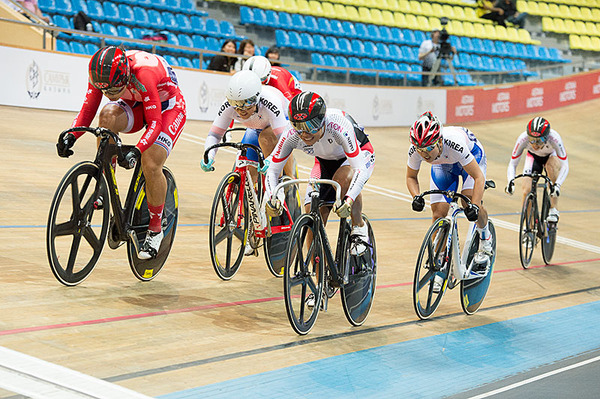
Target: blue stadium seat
x: 47, y: 6
x: 532, y: 52
x: 79, y: 5
x: 62, y: 22
x: 320, y: 43
x: 358, y: 48
x: 477, y: 62
x: 371, y: 49
x: 173, y: 5
x: 169, y: 21
x: 317, y: 59
x: 189, y: 6
x: 414, y: 77
x: 489, y: 46
x: 246, y: 16
x: 349, y: 29
x: 282, y: 39
x: 185, y: 62
x: 395, y: 52
x: 184, y: 23
x: 511, y: 50
x: 522, y: 51
x: 62, y: 46
x: 373, y: 32
x: 125, y: 31
x: 330, y: 61
x: 311, y: 23
x: 111, y: 11
x: 77, y: 48
x: 342, y: 61
x: 336, y: 28
x: 420, y: 37
x: 556, y: 55
x: 398, y: 36
x: 198, y: 25
x: 156, y: 20
x: 140, y: 17
x: 171, y: 60
x: 333, y: 45
x: 91, y: 48
x: 478, y: 46
x: 272, y: 18
x: 95, y: 10
x: 324, y: 26
x: 488, y: 64
x: 361, y: 31
x: 196, y: 63
x: 306, y: 41
x: 466, y: 44
x: 380, y: 65
x: 464, y: 80
x: 345, y: 46
x: 125, y: 14
x: 392, y: 66
x: 294, y: 40
x: 139, y: 33
x: 226, y: 28
x: 260, y: 18
x: 386, y: 34
x: 499, y: 64
x: 368, y: 63
x: 285, y: 20
x: 409, y: 37
x: 520, y: 64
x: 463, y: 60
x: 199, y: 41
x: 297, y: 22
x: 509, y: 64
x: 63, y: 7
x: 212, y: 27
x: 109, y: 29
x: 501, y: 48
x: 212, y: 43
x: 185, y: 40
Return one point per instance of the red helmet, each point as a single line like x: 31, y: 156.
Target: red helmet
x: 307, y: 112
x: 538, y: 127
x: 426, y: 131
x: 109, y: 68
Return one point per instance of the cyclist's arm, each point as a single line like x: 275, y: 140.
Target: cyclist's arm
x: 217, y: 130
x: 283, y: 149
x: 363, y: 164
x: 412, y: 181
x: 152, y: 114
x: 473, y: 169
x: 561, y: 154
x: 93, y: 97
x: 516, y: 157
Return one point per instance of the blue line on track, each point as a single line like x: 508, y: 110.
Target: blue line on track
x: 435, y: 366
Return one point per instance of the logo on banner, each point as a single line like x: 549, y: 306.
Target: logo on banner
x: 596, y: 87
x: 466, y: 107
x: 570, y: 92
x: 203, y: 97
x: 537, y: 98
x: 502, y: 104
x: 375, y: 108
x: 34, y: 81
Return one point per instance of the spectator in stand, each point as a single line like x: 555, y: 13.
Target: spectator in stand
x: 503, y: 11
x: 272, y: 55
x: 223, y: 63
x: 32, y: 6
x: 246, y: 49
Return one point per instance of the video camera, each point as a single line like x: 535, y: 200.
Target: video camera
x: 445, y: 46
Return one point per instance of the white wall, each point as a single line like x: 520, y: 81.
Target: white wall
x: 49, y: 80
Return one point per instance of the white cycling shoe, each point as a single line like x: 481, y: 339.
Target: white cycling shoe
x: 151, y: 245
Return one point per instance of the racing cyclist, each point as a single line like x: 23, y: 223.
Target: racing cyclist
x: 276, y: 76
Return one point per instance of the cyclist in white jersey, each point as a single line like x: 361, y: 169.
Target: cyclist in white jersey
x: 342, y: 152
x: 261, y: 109
x: 545, y: 149
x: 454, y: 152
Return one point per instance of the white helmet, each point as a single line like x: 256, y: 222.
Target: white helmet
x: 243, y: 89
x: 261, y: 66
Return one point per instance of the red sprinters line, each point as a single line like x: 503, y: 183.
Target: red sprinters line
x: 222, y: 305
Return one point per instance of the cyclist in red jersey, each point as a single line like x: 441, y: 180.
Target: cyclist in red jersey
x: 278, y: 77
x: 143, y: 92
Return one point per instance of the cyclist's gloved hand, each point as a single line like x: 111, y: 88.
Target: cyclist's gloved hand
x: 130, y: 159
x: 510, y: 188
x: 265, y: 166
x: 555, y: 190
x: 273, y: 209
x: 345, y: 208
x: 418, y: 203
x: 472, y: 212
x: 63, y: 147
x: 207, y: 167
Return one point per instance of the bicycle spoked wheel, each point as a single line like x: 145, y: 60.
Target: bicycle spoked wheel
x: 147, y: 269
x: 226, y: 235
x: 276, y: 245
x: 527, y: 231
x: 473, y: 291
x: 431, y: 263
x: 549, y: 236
x: 303, y: 278
x: 359, y: 291
x: 76, y: 230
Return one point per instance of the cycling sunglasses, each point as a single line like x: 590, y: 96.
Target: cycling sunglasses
x: 113, y: 90
x: 244, y: 104
x: 429, y: 148
x: 311, y: 126
x: 537, y: 140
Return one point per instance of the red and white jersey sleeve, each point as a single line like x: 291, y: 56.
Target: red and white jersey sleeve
x: 285, y: 82
x: 152, y: 82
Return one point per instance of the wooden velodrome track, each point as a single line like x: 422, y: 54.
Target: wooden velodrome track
x: 189, y: 329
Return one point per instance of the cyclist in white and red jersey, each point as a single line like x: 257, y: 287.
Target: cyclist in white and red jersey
x: 454, y: 153
x: 278, y: 77
x: 342, y: 152
x: 545, y: 149
x: 143, y: 92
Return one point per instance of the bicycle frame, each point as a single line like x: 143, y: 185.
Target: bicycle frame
x: 535, y: 184
x: 460, y: 270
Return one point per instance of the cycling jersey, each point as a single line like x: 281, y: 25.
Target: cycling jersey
x: 459, y: 148
x: 339, y: 141
x: 153, y: 85
x: 271, y: 111
x: 552, y: 147
x: 285, y: 82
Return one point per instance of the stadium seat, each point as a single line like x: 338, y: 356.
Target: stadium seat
x: 358, y: 48
x: 140, y: 17
x: 91, y: 48
x: 62, y: 22
x: 395, y: 52
x: 189, y: 7
x: 198, y: 25
x: 125, y: 13
x: 77, y: 48
x: 330, y: 61
x: 324, y: 26
x: 48, y: 6
x: 382, y: 52
x: 386, y: 34
x: 501, y: 48
x: 184, y: 62
x: 345, y: 46
x: 171, y: 60
x: 212, y: 43
x: 489, y: 46
x: 320, y: 43
x: 332, y: 45
x: 294, y: 40
x: 398, y: 36
x: 109, y: 29
x: 297, y: 22
x: 62, y: 46
x: 185, y: 40
x: 63, y: 7
x: 125, y: 31
x: 282, y: 38
x: 196, y: 63
x: 337, y: 28
x: 95, y: 10
x: 155, y: 20
x: 199, y: 41
x: 226, y: 28
x: 310, y: 24
x: 306, y: 41
x: 272, y: 19
x: 260, y: 17
x: 328, y: 10
x: 285, y: 20
x: 246, y: 16
x: 111, y: 12
x: 349, y: 29
x: 183, y: 22
x: 78, y: 5
x: 393, y: 66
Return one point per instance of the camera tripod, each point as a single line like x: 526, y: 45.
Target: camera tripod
x: 436, y: 67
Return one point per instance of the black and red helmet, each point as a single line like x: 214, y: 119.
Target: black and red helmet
x: 538, y: 127
x: 109, y: 68
x: 307, y: 112
x: 426, y: 130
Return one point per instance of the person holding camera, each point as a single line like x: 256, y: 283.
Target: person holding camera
x: 429, y: 51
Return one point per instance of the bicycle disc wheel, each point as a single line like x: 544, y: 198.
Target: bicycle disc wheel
x: 303, y: 275
x: 72, y: 217
x: 549, y: 237
x: 473, y: 291
x: 359, y: 291
x: 276, y: 245
x: 527, y: 231
x: 227, y: 238
x: 431, y: 262
x: 147, y: 269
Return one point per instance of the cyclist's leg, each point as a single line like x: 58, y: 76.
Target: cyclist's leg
x: 553, y: 168
x: 442, y: 178
x: 251, y: 136
x: 268, y: 141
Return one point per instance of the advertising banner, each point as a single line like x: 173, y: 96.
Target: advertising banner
x: 477, y: 104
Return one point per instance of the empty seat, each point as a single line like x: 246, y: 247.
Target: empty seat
x: 63, y: 7
x: 95, y: 10
x: 125, y: 31
x: 155, y: 20
x: 345, y: 46
x: 198, y: 25
x: 349, y: 29
x: 125, y: 14
x: 140, y: 16
x: 199, y: 41
x: 246, y: 16
x: 77, y: 48
x: 91, y: 48
x: 184, y: 23
x: 212, y: 27
x: 320, y: 43
x: 310, y: 24
x: 324, y: 26
x: 184, y: 62
x: 332, y: 45
x: 226, y: 28
x: 185, y: 40
x: 272, y: 19
x: 111, y: 11
x: 62, y: 46
x: 282, y: 38
x: 285, y: 20
x: 294, y: 40
x: 260, y: 17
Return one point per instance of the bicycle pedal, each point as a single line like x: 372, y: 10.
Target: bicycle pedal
x: 99, y: 203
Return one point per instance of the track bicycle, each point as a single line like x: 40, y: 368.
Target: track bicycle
x: 534, y: 227
x: 313, y: 273
x: 86, y: 210
x: 237, y: 217
x: 440, y: 265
